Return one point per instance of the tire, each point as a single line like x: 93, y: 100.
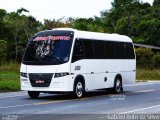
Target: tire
x: 78, y: 89
x: 118, y: 87
x: 33, y: 94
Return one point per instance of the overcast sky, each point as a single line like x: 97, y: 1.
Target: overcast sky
x: 49, y: 9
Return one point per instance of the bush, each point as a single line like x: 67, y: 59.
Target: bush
x: 156, y: 58
x: 145, y: 58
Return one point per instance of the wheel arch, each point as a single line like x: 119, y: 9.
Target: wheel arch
x: 118, y: 76
x: 81, y: 78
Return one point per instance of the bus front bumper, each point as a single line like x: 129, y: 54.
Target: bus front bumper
x: 60, y: 84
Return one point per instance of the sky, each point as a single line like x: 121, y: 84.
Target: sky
x: 55, y: 9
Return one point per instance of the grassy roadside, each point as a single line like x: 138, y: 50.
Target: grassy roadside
x: 9, y: 76
x: 143, y: 74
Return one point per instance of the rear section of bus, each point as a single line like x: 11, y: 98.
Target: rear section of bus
x: 45, y: 65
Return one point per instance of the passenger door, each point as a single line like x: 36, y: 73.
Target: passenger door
x: 77, y: 58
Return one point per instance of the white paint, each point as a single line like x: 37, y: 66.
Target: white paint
x: 38, y: 103
x: 141, y: 109
x: 15, y: 106
x: 154, y: 81
x: 10, y: 96
x: 139, y: 84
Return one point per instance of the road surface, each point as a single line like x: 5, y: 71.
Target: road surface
x: 138, y: 98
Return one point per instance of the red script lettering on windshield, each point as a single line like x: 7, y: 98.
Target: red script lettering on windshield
x: 52, y: 38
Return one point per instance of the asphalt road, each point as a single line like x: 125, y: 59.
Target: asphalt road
x: 138, y: 98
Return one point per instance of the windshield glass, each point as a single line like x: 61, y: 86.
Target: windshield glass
x: 49, y: 47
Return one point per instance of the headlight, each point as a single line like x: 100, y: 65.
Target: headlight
x: 60, y: 74
x: 23, y: 74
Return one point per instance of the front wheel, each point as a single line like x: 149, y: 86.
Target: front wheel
x: 78, y: 89
x: 118, y: 87
x: 33, y: 94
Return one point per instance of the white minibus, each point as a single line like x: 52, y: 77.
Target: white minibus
x: 69, y: 60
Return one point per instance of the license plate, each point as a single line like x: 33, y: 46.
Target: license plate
x: 39, y: 81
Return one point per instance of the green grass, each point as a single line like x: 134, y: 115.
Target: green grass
x: 143, y: 74
x: 9, y: 77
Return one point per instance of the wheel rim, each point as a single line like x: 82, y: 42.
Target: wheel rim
x: 79, y: 89
x: 118, y: 85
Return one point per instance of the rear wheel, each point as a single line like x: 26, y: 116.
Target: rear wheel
x: 118, y: 87
x: 33, y: 94
x: 78, y: 89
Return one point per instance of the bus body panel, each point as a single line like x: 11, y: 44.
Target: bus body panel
x: 96, y: 71
x: 64, y: 84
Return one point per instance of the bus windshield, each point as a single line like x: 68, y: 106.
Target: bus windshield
x: 49, y: 48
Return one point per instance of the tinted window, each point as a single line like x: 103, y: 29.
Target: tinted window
x: 120, y: 50
x: 129, y: 51
x: 88, y: 47
x: 99, y: 49
x: 111, y: 50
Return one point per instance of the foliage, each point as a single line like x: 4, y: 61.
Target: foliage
x: 156, y: 58
x: 145, y: 58
x: 156, y: 2
x: 50, y: 24
x: 89, y: 24
x: 140, y: 21
x: 16, y: 30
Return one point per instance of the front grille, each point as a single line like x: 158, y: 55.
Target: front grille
x: 40, y: 79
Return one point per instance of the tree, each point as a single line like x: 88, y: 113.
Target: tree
x: 144, y: 58
x: 14, y: 24
x: 2, y: 25
x: 21, y: 10
x: 20, y: 29
x: 59, y: 23
x: 3, y: 51
x: 156, y: 2
x: 89, y: 24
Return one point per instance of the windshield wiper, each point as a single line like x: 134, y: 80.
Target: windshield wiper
x: 56, y: 58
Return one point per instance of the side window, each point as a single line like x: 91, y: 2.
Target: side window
x: 99, y: 49
x: 78, y: 51
x: 129, y: 51
x: 111, y: 50
x: 115, y: 50
x: 120, y: 50
x: 88, y: 47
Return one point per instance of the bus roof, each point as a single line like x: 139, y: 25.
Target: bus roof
x: 97, y: 35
